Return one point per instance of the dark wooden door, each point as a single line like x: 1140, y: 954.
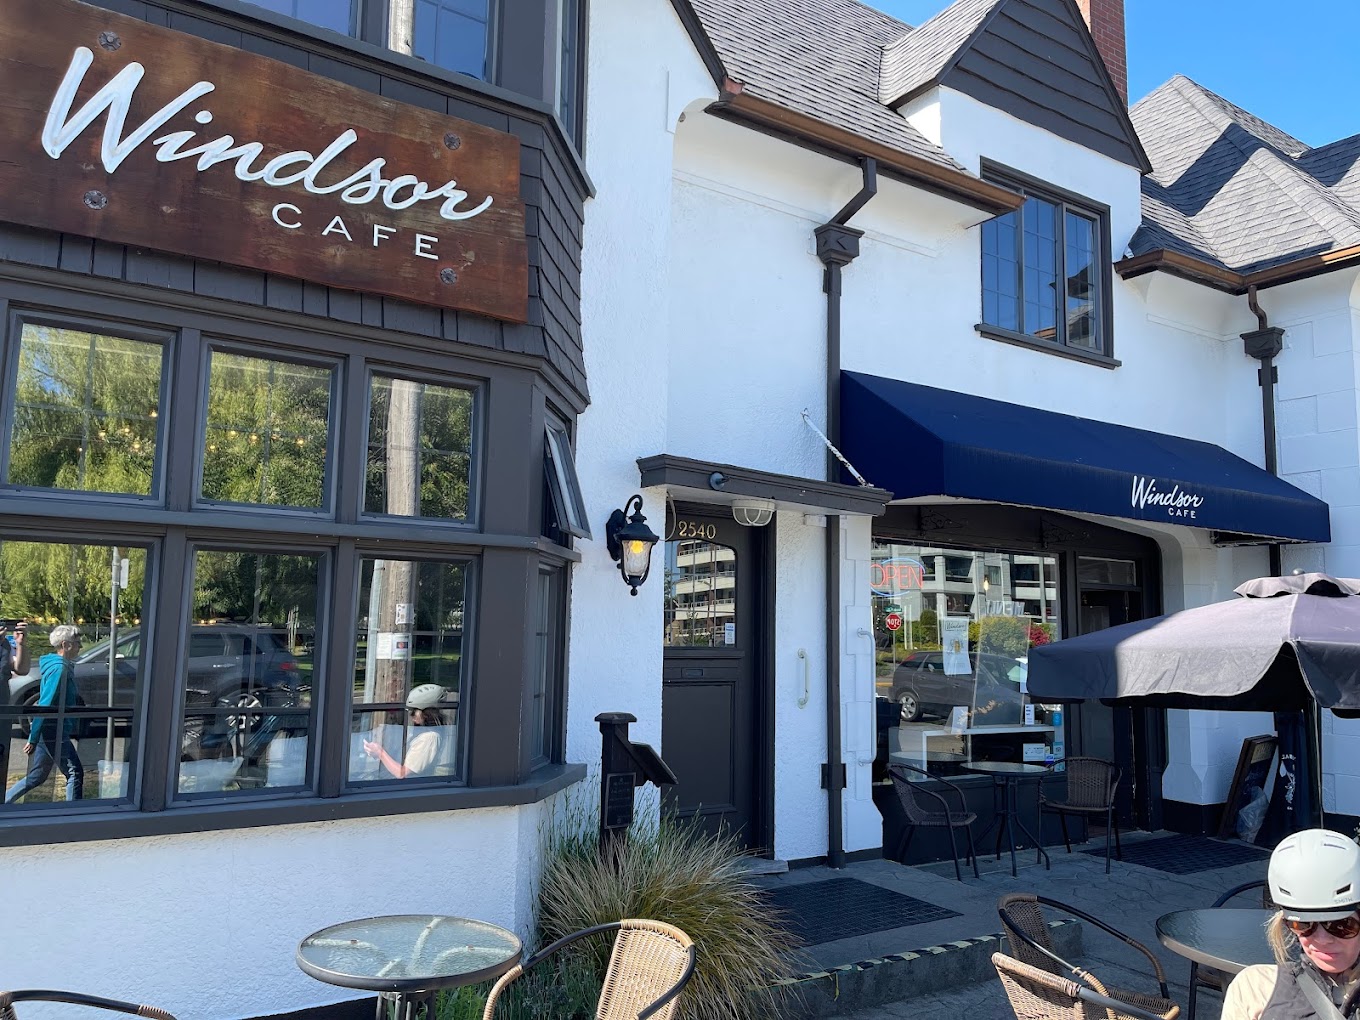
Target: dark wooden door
x: 709, y: 675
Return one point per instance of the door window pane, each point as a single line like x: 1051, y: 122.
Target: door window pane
x: 701, y: 594
x: 337, y: 15
x: 452, y: 34
x: 266, y: 435
x: 419, y: 449
x: 408, y: 671
x: 86, y: 411
x: 73, y: 703
x: 247, y: 702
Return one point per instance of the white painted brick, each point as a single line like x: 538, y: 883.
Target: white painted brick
x: 1341, y: 755
x: 1329, y: 793
x: 1298, y: 341
x: 1309, y: 481
x: 1318, y: 451
x: 1341, y: 486
x: 1331, y: 335
x: 1347, y: 798
x: 1297, y: 417
x: 1318, y: 375
x: 1346, y: 526
x: 1336, y: 411
x: 1337, y: 560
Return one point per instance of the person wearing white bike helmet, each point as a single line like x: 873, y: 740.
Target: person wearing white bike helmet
x: 425, y: 750
x: 1314, y: 879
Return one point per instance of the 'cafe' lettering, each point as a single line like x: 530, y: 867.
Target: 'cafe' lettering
x: 1177, y: 502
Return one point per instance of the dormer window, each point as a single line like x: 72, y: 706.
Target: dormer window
x: 1046, y: 271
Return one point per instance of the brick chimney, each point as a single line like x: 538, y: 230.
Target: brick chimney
x: 1105, y: 18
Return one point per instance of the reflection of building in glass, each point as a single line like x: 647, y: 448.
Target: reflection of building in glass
x: 977, y: 584
x: 701, y: 593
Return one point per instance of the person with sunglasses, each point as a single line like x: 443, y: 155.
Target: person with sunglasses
x: 1314, y: 879
x: 427, y: 749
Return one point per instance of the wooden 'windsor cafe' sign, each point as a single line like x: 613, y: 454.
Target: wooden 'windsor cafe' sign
x: 119, y: 130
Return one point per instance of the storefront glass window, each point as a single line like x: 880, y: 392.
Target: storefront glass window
x: 248, y: 669
x: 408, y: 671
x: 86, y: 412
x: 72, y: 707
x: 265, y: 440
x: 337, y: 15
x: 453, y: 34
x: 1098, y: 570
x: 701, y: 594
x: 952, y: 655
x: 419, y: 449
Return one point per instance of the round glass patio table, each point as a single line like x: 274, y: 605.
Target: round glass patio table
x: 406, y: 958
x: 1225, y: 938
x: 1007, y: 775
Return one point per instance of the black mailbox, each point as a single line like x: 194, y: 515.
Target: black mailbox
x: 624, y: 766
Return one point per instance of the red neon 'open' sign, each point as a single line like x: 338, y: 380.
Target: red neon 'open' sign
x: 899, y: 574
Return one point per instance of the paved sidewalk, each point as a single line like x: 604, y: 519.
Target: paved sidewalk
x: 1130, y: 898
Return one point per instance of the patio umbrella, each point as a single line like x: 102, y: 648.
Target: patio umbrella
x: 1286, y: 643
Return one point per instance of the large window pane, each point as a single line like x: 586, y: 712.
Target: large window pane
x: 86, y: 411
x: 1083, y: 282
x: 452, y: 34
x: 266, y: 436
x: 419, y: 449
x: 68, y: 716
x: 337, y: 15
x: 547, y: 665
x: 247, y: 672
x: 1000, y: 273
x: 1041, y: 268
x: 408, y: 671
x: 952, y: 651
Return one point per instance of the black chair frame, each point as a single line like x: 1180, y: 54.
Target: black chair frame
x: 8, y: 999
x: 948, y: 812
x: 1196, y: 980
x: 1013, y: 930
x: 1111, y: 821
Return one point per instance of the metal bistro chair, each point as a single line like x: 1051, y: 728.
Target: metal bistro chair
x: 1091, y: 786
x: 1027, y: 935
x: 1210, y: 977
x: 8, y: 999
x: 651, y: 964
x: 923, y: 813
x: 1037, y: 994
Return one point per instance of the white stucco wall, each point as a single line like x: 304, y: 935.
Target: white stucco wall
x: 206, y: 925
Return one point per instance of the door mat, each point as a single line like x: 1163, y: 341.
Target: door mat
x: 841, y: 908
x: 1185, y: 855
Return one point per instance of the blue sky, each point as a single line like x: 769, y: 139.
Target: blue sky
x: 1292, y: 64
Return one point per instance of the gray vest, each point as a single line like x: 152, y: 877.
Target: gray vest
x: 1288, y: 1002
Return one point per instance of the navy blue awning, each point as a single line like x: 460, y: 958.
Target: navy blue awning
x: 921, y: 441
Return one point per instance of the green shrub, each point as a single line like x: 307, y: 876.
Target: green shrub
x: 678, y: 874
x: 564, y: 988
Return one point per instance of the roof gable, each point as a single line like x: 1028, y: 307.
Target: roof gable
x: 1033, y: 59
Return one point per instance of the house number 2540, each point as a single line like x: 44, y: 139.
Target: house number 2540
x: 696, y: 529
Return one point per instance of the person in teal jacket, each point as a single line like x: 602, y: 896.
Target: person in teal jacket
x: 58, y: 686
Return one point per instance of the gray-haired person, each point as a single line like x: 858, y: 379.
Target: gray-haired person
x: 44, y: 744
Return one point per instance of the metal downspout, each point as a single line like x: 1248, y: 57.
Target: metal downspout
x: 1263, y: 344
x: 837, y: 246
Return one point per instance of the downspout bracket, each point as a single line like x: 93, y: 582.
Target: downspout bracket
x: 1263, y: 343
x: 837, y: 244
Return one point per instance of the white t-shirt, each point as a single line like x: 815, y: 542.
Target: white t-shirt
x: 422, y: 753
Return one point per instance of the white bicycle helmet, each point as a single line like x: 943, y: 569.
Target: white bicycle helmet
x: 1315, y: 876
x: 425, y: 696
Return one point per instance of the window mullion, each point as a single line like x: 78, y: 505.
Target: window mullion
x: 1020, y: 266
x: 337, y: 636
x: 184, y: 396
x: 161, y: 737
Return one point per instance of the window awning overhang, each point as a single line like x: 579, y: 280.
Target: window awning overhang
x: 694, y: 479
x: 922, y: 441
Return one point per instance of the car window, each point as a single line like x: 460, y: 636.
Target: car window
x: 205, y: 646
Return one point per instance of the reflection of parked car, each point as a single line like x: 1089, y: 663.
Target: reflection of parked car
x: 994, y: 690
x: 229, y: 666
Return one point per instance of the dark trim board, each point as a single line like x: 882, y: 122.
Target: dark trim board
x: 1194, y: 819
x: 873, y: 853
x: 350, y: 1009
x: 805, y: 493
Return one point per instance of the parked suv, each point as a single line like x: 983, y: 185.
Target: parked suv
x: 229, y: 666
x: 993, y: 691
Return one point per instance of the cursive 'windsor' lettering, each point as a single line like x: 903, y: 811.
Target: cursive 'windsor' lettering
x: 1177, y: 502
x: 365, y: 185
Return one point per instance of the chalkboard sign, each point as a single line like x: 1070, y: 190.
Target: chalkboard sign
x: 618, y: 800
x: 1253, y: 772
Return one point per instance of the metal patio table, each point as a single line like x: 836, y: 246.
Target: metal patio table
x: 1225, y: 938
x: 1006, y: 775
x: 407, y: 958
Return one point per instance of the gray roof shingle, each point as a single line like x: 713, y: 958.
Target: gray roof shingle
x: 1234, y: 191
x: 917, y: 58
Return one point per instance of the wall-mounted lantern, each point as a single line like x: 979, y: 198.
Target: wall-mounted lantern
x: 630, y: 542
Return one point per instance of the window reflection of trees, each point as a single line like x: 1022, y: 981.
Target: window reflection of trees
x: 700, y: 593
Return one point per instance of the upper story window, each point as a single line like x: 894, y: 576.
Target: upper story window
x: 337, y: 15
x: 1046, y: 270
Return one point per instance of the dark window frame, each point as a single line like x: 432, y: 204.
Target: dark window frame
x: 563, y: 482
x: 1066, y: 201
x: 497, y: 769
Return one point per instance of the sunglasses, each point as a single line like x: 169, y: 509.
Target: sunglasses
x: 1345, y: 928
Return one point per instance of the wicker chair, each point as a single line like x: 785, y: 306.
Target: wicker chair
x: 651, y: 964
x: 1218, y: 980
x: 8, y: 999
x: 1027, y: 934
x: 927, y: 808
x: 1091, y: 786
x: 1036, y: 994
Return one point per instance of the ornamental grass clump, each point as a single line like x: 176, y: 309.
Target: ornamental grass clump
x: 672, y: 872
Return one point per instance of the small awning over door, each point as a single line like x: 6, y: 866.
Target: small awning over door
x: 921, y: 441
